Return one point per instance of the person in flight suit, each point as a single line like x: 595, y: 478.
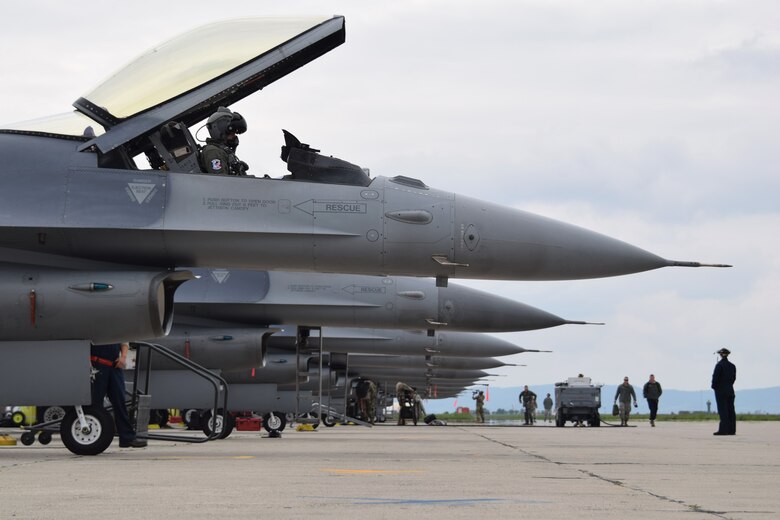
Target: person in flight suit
x: 623, y: 395
x: 109, y: 364
x: 723, y: 383
x: 526, y: 398
x: 219, y: 154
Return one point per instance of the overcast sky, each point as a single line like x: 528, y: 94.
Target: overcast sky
x: 652, y: 122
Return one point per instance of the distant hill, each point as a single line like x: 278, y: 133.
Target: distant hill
x: 759, y: 400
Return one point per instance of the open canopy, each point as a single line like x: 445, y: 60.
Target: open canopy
x: 186, y: 78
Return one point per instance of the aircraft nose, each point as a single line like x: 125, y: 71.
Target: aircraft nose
x: 467, y: 309
x: 504, y: 243
x: 473, y: 363
x: 473, y: 344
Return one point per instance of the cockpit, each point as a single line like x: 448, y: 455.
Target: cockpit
x: 145, y: 111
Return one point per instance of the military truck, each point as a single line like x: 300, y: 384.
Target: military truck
x: 577, y: 400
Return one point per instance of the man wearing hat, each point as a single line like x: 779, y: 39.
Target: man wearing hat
x: 723, y: 383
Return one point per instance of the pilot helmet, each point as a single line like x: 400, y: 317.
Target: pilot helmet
x: 224, y: 122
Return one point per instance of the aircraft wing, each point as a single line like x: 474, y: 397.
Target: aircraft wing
x: 186, y: 78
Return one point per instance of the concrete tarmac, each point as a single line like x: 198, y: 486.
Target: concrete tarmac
x: 676, y: 470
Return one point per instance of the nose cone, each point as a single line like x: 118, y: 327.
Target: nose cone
x: 503, y: 243
x: 472, y: 344
x: 466, y: 309
x: 466, y: 363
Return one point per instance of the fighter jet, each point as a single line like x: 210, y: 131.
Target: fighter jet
x: 91, y: 237
x: 347, y: 300
x: 357, y: 361
x: 74, y: 198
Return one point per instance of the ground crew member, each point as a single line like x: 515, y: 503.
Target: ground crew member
x: 403, y: 393
x: 652, y: 391
x: 548, y: 404
x: 723, y: 383
x: 623, y: 396
x: 525, y: 397
x: 361, y: 393
x: 418, y: 404
x: 219, y: 154
x: 371, y: 401
x: 479, y: 397
x: 109, y: 363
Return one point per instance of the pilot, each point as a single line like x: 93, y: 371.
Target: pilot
x: 219, y: 154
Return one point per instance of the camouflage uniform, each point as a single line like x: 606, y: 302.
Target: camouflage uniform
x: 372, y: 390
x: 480, y: 399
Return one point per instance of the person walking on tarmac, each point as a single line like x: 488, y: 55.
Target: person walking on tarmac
x: 109, y: 363
x: 723, y: 383
x: 526, y: 397
x: 652, y: 391
x: 548, y: 404
x: 623, y: 396
x: 479, y: 397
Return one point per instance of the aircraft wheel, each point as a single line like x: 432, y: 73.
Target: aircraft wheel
x: 28, y: 438
x: 274, y: 422
x: 159, y: 417
x: 95, y: 438
x: 191, y: 419
x: 18, y: 418
x: 309, y: 416
x: 328, y: 420
x: 223, y: 425
x: 44, y: 438
x: 51, y: 413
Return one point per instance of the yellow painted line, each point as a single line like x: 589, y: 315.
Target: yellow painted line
x: 371, y: 471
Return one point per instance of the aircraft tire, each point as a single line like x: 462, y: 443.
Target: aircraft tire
x: 191, y: 419
x: 274, y: 421
x: 50, y: 413
x: 160, y: 417
x: 225, y: 423
x: 92, y: 442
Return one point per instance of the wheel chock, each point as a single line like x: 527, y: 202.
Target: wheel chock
x: 7, y: 440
